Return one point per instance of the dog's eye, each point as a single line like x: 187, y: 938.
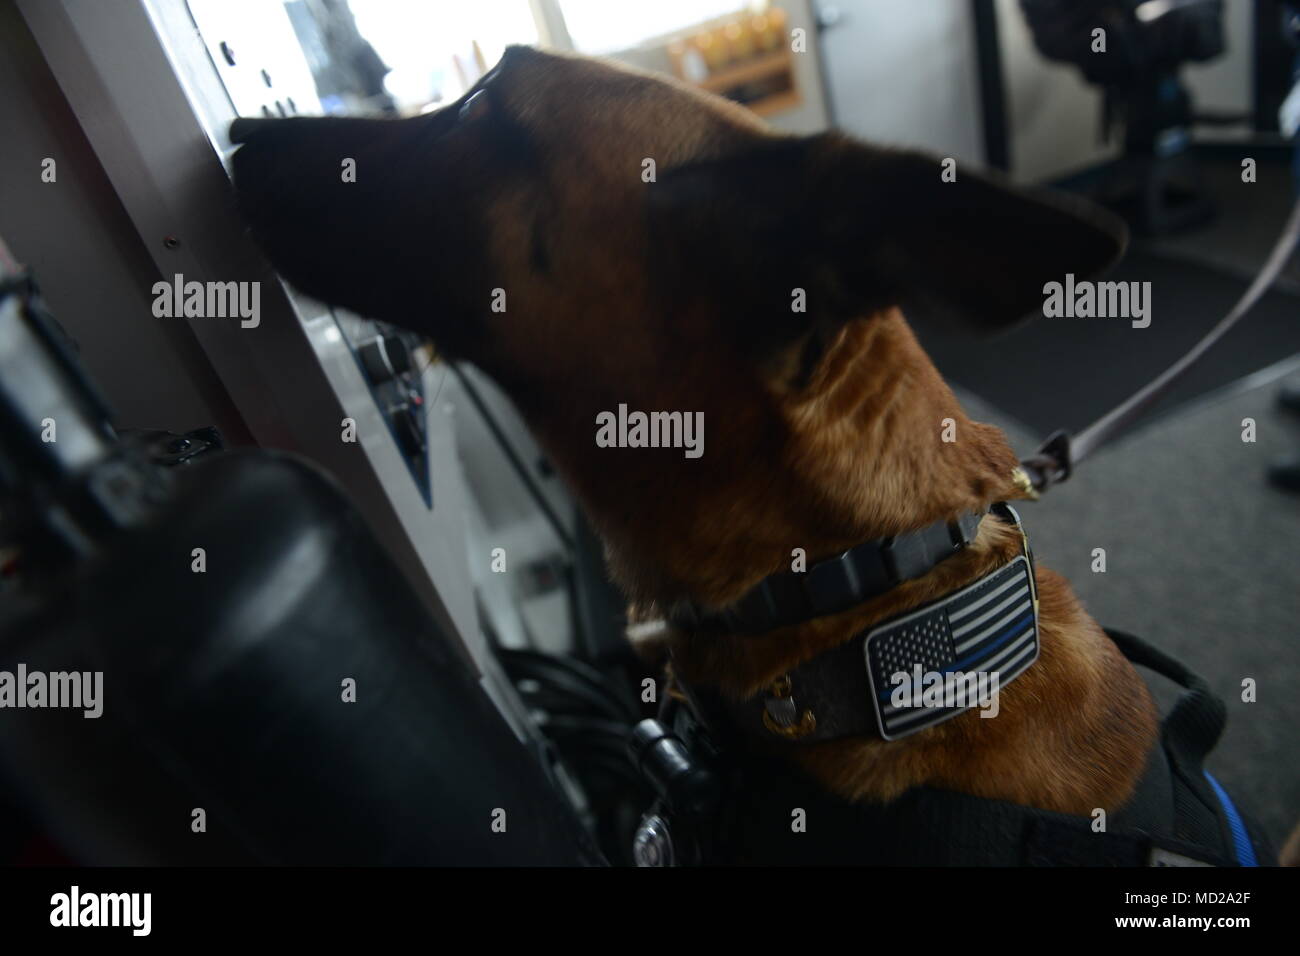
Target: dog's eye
x: 476, y: 107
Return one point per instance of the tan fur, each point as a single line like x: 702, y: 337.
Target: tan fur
x: 855, y: 454
x: 1073, y: 731
x: 830, y: 436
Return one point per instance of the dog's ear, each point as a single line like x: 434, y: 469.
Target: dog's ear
x: 858, y: 229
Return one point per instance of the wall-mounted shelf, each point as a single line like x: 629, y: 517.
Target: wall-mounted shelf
x: 759, y: 68
x: 746, y: 59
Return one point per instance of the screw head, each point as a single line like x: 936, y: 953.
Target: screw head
x: 653, y: 844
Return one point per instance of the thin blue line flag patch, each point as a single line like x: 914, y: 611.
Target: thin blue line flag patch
x: 933, y: 664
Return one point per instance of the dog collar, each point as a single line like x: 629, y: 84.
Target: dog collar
x: 836, y: 584
x: 908, y: 673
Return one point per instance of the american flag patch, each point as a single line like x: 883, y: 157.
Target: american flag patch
x: 989, y: 628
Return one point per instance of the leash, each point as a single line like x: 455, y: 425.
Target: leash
x: 1056, y: 460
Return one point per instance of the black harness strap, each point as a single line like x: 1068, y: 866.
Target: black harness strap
x: 1200, y: 815
x: 927, y: 827
x: 774, y: 814
x: 770, y: 813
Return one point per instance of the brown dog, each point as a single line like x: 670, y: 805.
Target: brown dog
x: 676, y: 291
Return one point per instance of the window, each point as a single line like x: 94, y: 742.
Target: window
x: 601, y: 26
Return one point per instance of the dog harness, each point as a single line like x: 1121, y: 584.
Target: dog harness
x: 726, y: 796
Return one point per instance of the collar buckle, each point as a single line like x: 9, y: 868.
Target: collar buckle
x: 779, y: 711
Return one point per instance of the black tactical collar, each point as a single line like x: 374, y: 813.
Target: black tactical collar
x: 836, y: 584
x: 913, y: 671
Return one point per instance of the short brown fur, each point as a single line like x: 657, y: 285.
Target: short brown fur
x: 819, y: 437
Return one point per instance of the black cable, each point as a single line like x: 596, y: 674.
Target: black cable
x: 580, y: 669
x: 583, y: 681
x: 573, y: 694
x: 571, y: 725
x: 587, y: 720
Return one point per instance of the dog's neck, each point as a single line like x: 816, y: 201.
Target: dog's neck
x: 884, y: 439
x: 882, y: 444
x: 873, y: 443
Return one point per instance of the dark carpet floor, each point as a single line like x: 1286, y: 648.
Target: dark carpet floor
x: 1201, y: 550
x: 1065, y: 372
x: 1201, y: 561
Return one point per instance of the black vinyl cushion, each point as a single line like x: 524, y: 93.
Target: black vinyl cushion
x: 223, y: 690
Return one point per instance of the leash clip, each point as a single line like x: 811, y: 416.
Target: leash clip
x: 1050, y: 465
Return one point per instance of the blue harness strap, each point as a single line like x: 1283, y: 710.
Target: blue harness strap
x: 1241, y: 843
x: 1188, y: 734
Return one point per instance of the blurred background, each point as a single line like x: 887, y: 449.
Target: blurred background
x: 133, y: 98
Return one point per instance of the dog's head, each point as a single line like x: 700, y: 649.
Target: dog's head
x: 593, y: 236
